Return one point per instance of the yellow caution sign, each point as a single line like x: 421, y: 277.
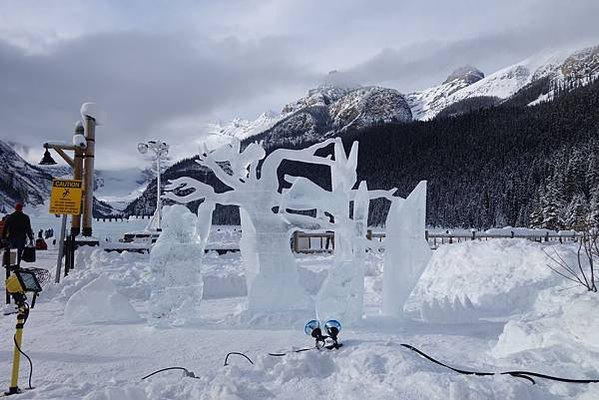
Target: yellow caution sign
x: 65, y: 197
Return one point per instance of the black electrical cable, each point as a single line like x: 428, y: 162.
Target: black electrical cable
x: 516, y: 374
x: 294, y: 351
x: 14, y: 338
x: 188, y: 373
x: 238, y: 354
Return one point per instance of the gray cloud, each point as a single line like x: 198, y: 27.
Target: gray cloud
x: 166, y: 69
x: 142, y: 80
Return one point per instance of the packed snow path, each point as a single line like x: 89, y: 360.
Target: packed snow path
x: 107, y: 360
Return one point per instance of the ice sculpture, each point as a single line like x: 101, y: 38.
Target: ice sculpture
x: 175, y: 259
x: 269, y: 217
x: 271, y: 273
x: 406, y: 250
x: 341, y: 295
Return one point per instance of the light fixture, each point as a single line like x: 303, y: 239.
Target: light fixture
x: 47, y: 159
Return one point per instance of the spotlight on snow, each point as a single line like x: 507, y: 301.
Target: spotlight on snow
x: 333, y: 327
x: 311, y: 326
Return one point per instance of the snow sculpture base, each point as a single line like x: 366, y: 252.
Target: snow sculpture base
x: 175, y: 260
x: 406, y: 250
x: 271, y: 273
x: 341, y: 295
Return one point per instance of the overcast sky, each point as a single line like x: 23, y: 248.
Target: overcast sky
x: 166, y: 69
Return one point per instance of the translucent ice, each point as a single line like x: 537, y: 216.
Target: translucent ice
x: 271, y: 272
x: 175, y: 260
x: 406, y: 250
x: 269, y: 216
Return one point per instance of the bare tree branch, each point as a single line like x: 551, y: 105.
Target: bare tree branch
x: 584, y: 274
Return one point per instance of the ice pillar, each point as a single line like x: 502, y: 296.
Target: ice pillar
x: 406, y: 250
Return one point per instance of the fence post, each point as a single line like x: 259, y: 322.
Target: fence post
x: 426, y: 235
x: 473, y: 235
x: 546, y: 236
x: 295, y: 242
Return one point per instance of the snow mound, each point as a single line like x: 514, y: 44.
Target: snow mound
x: 499, y: 277
x: 128, y: 271
x: 556, y: 319
x: 99, y: 302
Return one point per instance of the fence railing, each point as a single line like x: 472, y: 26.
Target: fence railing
x: 317, y: 242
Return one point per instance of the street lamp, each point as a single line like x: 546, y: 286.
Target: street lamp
x: 159, y: 152
x: 47, y: 159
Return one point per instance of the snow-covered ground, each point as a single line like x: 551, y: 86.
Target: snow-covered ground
x: 87, y: 343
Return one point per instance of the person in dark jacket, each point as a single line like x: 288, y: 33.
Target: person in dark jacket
x: 17, y: 228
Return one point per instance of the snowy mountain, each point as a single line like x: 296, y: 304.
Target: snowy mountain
x: 243, y: 128
x: 429, y: 102
x: 325, y: 111
x: 333, y: 108
x: 20, y: 181
x: 118, y: 188
x: 562, y: 69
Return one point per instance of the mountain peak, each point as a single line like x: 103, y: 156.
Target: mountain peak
x: 467, y: 73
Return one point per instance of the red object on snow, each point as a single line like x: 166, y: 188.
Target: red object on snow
x: 40, y: 244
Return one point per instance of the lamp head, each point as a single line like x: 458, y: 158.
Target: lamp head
x: 142, y: 148
x: 47, y: 159
x: 79, y: 141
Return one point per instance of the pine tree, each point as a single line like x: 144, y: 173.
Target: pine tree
x: 536, y: 216
x: 593, y: 212
x: 551, y: 207
x: 576, y: 214
x: 575, y: 177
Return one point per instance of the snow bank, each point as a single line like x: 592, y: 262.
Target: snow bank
x: 129, y: 272
x: 99, y: 302
x: 558, y: 317
x: 495, y: 277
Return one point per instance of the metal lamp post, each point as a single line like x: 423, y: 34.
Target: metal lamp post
x: 159, y: 152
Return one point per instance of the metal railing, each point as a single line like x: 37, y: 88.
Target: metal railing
x: 322, y: 242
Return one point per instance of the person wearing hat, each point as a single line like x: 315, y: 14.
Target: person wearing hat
x: 17, y: 228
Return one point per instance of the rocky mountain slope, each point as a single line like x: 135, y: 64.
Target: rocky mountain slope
x: 559, y: 69
x: 20, y: 181
x: 30, y: 184
x: 325, y: 111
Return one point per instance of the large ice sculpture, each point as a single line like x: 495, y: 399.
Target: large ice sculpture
x: 406, y: 250
x: 269, y: 215
x: 175, y: 260
x: 272, y: 278
x: 341, y: 295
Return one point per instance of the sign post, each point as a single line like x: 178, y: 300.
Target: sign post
x: 65, y: 199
